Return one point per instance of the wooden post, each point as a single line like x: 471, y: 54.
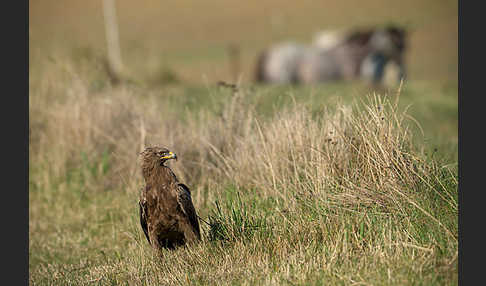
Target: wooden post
x: 115, y: 66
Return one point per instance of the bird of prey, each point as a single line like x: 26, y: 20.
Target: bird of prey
x: 167, y: 215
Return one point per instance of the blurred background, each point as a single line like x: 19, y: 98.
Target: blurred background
x: 191, y: 41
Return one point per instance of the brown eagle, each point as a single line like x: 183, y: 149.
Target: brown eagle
x: 167, y: 215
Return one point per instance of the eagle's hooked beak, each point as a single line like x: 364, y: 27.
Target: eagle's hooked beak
x: 171, y: 155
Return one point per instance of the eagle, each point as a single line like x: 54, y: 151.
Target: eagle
x: 167, y: 215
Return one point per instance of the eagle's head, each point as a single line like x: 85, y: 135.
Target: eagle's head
x: 156, y: 156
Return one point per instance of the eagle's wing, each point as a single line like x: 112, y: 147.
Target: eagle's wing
x: 143, y: 216
x: 185, y: 202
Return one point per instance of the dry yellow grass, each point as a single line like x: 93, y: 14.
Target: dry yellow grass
x: 341, y: 196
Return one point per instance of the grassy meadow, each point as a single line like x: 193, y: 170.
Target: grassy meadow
x: 332, y: 184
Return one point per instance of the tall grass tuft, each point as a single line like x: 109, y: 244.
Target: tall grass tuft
x: 234, y: 222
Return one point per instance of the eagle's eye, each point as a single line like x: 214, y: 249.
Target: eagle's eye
x: 162, y: 154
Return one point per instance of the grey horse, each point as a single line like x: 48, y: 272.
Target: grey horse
x: 361, y: 54
x: 279, y: 64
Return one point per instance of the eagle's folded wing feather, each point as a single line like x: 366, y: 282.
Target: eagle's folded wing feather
x: 185, y: 202
x: 143, y: 217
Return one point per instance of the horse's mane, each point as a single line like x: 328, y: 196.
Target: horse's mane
x: 359, y: 37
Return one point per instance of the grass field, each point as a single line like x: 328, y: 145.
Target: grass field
x: 298, y: 185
